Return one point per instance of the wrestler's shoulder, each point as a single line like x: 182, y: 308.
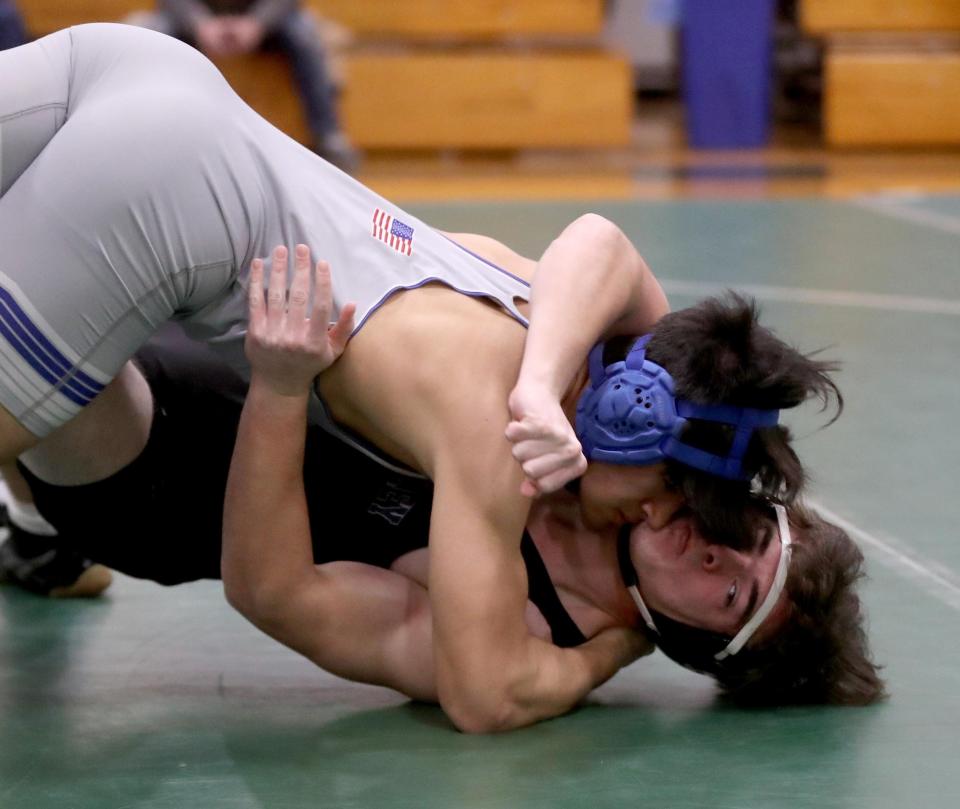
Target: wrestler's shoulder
x: 496, y: 252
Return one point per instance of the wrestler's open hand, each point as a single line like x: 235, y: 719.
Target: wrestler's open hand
x: 289, y: 343
x: 543, y: 440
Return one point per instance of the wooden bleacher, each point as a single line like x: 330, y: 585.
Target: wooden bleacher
x: 461, y: 74
x: 892, y: 70
x: 463, y: 20
x: 263, y: 80
x: 45, y: 16
x: 831, y: 16
x: 487, y: 100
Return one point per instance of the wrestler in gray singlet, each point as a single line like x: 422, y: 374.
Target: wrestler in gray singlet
x: 137, y: 188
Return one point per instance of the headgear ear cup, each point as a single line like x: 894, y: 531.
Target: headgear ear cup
x: 625, y: 415
x: 629, y: 415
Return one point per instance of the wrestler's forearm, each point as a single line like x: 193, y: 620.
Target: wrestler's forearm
x: 266, y: 527
x: 590, y: 284
x: 353, y: 620
x: 492, y: 678
x: 365, y: 624
x: 562, y: 678
x: 492, y: 674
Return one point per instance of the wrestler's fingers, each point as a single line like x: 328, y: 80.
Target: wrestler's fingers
x: 532, y: 448
x: 540, y: 438
x: 277, y: 288
x: 557, y: 480
x: 529, y: 488
x: 322, y: 302
x: 256, y: 302
x: 565, y: 447
x: 339, y: 333
x: 525, y: 430
x: 299, y: 289
x: 543, y: 465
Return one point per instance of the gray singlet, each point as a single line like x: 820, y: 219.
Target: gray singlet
x: 136, y: 187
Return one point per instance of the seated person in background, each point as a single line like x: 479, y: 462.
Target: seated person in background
x: 12, y: 32
x: 233, y: 27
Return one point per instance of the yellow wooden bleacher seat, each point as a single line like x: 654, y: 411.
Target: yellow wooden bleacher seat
x: 826, y: 16
x: 265, y: 82
x: 892, y: 70
x: 487, y: 99
x: 45, y: 16
x: 464, y: 19
x: 475, y: 89
x: 900, y: 94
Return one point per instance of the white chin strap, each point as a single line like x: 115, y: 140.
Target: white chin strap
x: 773, y: 595
x: 644, y: 612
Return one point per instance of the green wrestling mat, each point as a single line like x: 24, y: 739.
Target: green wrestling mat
x: 154, y: 699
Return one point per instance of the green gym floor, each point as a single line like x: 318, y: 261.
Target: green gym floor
x: 154, y: 698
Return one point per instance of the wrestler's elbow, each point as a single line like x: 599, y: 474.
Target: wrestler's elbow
x: 599, y: 232
x: 239, y: 593
x: 254, y: 599
x: 491, y: 717
x: 611, y: 254
x: 480, y: 707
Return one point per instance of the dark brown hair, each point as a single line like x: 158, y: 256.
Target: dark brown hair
x: 821, y: 655
x: 718, y: 353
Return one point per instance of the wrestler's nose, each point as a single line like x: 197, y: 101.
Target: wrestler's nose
x: 716, y: 557
x: 660, y: 510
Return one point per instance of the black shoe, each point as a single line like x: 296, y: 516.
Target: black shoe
x: 39, y: 564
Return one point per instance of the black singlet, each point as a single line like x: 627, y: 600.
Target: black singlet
x: 160, y: 517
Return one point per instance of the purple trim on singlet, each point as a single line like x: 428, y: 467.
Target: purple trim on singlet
x: 446, y: 283
x: 487, y: 262
x: 431, y: 279
x: 40, y: 354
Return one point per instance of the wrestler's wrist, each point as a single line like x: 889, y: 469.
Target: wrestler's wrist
x: 625, y: 645
x: 539, y: 382
x: 283, y: 391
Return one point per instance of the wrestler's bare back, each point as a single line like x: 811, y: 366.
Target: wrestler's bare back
x: 421, y: 345
x: 454, y: 342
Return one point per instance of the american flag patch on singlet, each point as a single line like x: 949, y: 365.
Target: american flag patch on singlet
x: 393, y: 232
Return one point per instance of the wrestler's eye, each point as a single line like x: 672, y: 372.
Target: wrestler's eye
x: 732, y: 593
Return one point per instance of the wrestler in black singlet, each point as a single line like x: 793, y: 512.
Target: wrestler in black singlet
x: 160, y: 518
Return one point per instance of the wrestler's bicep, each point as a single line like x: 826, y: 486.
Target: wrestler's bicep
x: 363, y: 623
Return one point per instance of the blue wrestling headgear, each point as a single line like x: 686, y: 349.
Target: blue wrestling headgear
x: 629, y: 415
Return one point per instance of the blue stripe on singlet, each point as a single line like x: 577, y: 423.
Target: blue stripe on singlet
x: 39, y: 353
